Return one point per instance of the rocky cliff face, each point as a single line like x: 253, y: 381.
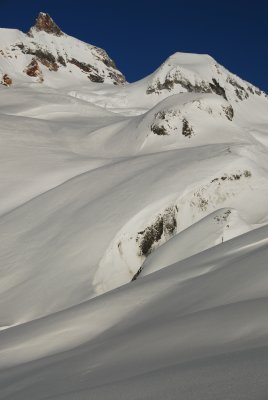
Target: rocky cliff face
x: 46, y: 24
x: 59, y: 58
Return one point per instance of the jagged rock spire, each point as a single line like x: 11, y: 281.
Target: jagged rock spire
x: 45, y: 23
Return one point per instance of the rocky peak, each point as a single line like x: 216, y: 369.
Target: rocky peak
x: 45, y: 23
x: 45, y: 48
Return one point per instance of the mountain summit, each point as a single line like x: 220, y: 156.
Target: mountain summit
x: 48, y: 56
x: 45, y: 23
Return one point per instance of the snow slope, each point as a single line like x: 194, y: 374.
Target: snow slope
x: 197, y: 329
x: 163, y: 181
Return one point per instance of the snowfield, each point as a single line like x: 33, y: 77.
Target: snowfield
x: 134, y: 226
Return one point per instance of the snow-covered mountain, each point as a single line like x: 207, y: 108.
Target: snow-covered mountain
x: 47, y: 55
x: 161, y: 186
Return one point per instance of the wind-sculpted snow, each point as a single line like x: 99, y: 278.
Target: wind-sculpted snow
x: 159, y: 186
x: 201, y: 320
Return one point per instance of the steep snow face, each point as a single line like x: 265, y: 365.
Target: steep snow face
x: 47, y: 55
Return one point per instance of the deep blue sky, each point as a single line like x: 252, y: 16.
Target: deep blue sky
x: 140, y: 35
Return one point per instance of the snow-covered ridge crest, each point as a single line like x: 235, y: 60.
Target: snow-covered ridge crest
x: 200, y: 73
x: 47, y: 55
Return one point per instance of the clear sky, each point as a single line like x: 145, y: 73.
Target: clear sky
x: 140, y: 35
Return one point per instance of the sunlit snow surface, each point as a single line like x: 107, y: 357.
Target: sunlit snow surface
x: 164, y: 180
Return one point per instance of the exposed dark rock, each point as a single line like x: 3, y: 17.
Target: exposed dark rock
x: 217, y: 89
x: 158, y: 87
x: 159, y: 130
x: 187, y: 130
x: 96, y: 78
x: 45, y: 23
x: 6, y: 80
x: 234, y: 177
x: 105, y: 58
x: 109, y: 62
x: 164, y: 224
x: 229, y: 112
x: 168, y: 84
x: 161, y: 115
x: 247, y: 174
x: 87, y: 68
x: 169, y: 221
x: 52, y: 66
x: 83, y: 66
x: 151, y: 235
x: 43, y: 56
x: 240, y: 92
x: 201, y: 87
x: 137, y: 274
x: 118, y: 78
x: 196, y: 88
x: 21, y: 47
x: 33, y: 70
x: 223, y: 217
x: 61, y: 60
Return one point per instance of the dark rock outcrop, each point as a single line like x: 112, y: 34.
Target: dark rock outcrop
x: 240, y: 92
x: 34, y: 71
x: 43, y: 56
x: 6, y: 80
x: 169, y: 84
x: 229, y: 112
x: 165, y: 224
x: 217, y: 89
x: 83, y: 66
x: 96, y: 78
x: 159, y: 130
x: 187, y: 130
